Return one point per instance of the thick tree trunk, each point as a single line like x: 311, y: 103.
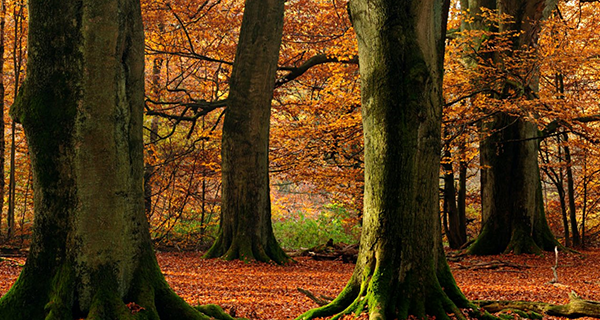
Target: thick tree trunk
x: 401, y: 270
x: 512, y: 207
x: 513, y: 218
x: 81, y: 107
x: 245, y: 228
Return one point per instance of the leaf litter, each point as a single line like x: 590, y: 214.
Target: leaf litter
x: 269, y: 292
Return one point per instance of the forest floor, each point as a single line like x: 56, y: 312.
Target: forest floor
x: 264, y: 291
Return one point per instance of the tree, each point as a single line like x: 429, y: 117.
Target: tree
x: 245, y: 227
x: 513, y: 218
x: 81, y: 107
x: 455, y: 220
x: 2, y: 123
x: 401, y: 269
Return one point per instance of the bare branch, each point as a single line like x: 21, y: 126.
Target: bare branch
x: 295, y: 72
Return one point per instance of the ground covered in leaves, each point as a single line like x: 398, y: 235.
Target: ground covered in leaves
x: 263, y: 291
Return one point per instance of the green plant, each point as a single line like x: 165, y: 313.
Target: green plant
x: 305, y: 232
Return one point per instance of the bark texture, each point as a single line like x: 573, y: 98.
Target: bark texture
x: 245, y: 228
x: 81, y: 108
x: 512, y: 203
x: 2, y: 123
x: 401, y: 270
x: 456, y: 225
x: 513, y: 218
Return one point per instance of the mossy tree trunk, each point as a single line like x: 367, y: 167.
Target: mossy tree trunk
x: 512, y: 204
x: 245, y: 228
x: 513, y: 218
x: 401, y: 270
x: 81, y: 107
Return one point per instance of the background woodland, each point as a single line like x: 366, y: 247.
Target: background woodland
x: 316, y: 162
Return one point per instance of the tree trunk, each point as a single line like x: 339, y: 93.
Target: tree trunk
x: 453, y: 231
x: 462, y: 193
x: 401, y: 270
x: 511, y: 200
x: 150, y: 164
x: 10, y: 214
x: 571, y: 193
x: 2, y: 123
x: 17, y: 56
x: 81, y: 107
x: 245, y: 228
x: 513, y: 218
x: 563, y: 210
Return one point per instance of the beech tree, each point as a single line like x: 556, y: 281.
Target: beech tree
x: 512, y: 204
x: 401, y: 268
x: 245, y: 226
x: 81, y: 107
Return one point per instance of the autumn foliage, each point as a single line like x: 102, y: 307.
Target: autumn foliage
x: 316, y: 135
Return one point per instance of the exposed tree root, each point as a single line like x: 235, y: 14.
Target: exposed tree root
x: 321, y: 301
x: 39, y: 296
x: 381, y: 302
x: 576, y: 308
x: 247, y: 249
x: 496, y: 264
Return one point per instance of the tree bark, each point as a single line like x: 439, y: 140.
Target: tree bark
x: 401, y: 270
x: 512, y: 204
x: 453, y: 231
x: 2, y: 122
x: 245, y: 227
x: 81, y: 107
x: 462, y: 193
x: 513, y: 218
x: 571, y: 193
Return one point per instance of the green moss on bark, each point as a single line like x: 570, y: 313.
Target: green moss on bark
x: 247, y: 248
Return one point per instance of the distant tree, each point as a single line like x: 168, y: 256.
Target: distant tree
x: 2, y: 123
x: 455, y: 220
x: 513, y: 217
x: 81, y: 107
x: 245, y: 227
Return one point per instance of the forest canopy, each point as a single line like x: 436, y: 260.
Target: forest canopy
x: 315, y: 152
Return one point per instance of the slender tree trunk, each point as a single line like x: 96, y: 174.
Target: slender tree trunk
x: 2, y: 123
x: 453, y: 226
x: 10, y: 215
x: 245, y: 228
x: 563, y: 209
x: 149, y: 167
x: 149, y: 164
x: 571, y: 193
x: 81, y: 107
x: 585, y: 196
x: 401, y: 270
x: 462, y: 193
x: 17, y: 56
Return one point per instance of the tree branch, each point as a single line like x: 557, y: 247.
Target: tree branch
x: 295, y: 72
